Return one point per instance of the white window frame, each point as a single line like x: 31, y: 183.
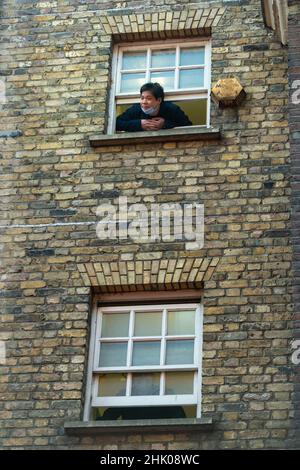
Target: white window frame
x: 92, y: 399
x: 117, y: 98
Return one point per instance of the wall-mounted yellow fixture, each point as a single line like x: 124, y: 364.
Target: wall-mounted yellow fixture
x: 228, y: 92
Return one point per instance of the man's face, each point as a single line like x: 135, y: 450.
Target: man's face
x: 149, y: 101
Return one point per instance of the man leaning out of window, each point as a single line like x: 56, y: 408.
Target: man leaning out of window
x: 153, y: 113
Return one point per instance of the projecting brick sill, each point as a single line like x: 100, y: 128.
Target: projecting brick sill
x: 179, y: 134
x: 79, y: 428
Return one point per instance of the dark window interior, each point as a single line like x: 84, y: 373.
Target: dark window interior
x: 150, y: 412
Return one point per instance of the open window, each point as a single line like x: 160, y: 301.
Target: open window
x: 145, y: 362
x: 182, y: 68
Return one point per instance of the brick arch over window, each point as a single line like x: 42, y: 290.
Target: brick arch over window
x: 126, y: 25
x: 151, y: 274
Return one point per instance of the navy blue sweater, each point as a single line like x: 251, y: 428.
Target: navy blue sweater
x: 130, y: 120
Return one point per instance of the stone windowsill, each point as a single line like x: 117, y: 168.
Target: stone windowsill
x: 78, y: 428
x: 178, y: 134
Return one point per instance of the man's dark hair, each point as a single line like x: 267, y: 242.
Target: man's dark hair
x: 155, y: 88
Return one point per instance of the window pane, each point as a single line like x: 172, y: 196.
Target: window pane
x: 112, y: 385
x: 113, y: 354
x: 193, y: 78
x: 163, y: 58
x: 134, y: 60
x: 148, y: 324
x: 115, y: 325
x: 181, y: 322
x: 192, y: 56
x: 180, y: 352
x: 132, y: 82
x: 146, y: 353
x: 145, y: 384
x: 179, y: 383
x: 165, y: 79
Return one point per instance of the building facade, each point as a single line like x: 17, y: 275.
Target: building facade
x: 61, y: 160
x: 294, y: 121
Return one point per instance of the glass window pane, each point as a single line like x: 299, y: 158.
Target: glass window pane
x: 163, y: 58
x: 181, y: 322
x: 192, y: 56
x: 145, y: 384
x: 148, y: 324
x: 165, y: 79
x: 132, y: 82
x: 146, y: 353
x: 115, y: 325
x: 112, y: 385
x: 180, y: 352
x: 193, y: 78
x: 134, y: 60
x: 179, y: 383
x: 113, y: 354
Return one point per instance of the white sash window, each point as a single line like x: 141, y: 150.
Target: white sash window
x: 146, y: 355
x: 182, y: 68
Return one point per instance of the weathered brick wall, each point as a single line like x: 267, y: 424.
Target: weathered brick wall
x: 56, y: 70
x: 294, y: 121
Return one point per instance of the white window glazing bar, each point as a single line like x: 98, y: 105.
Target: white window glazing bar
x: 148, y: 64
x: 130, y: 341
x: 133, y: 71
x: 188, y: 96
x: 163, y: 341
x: 145, y: 338
x: 190, y: 67
x: 152, y: 368
x: 176, y: 85
x: 183, y: 93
